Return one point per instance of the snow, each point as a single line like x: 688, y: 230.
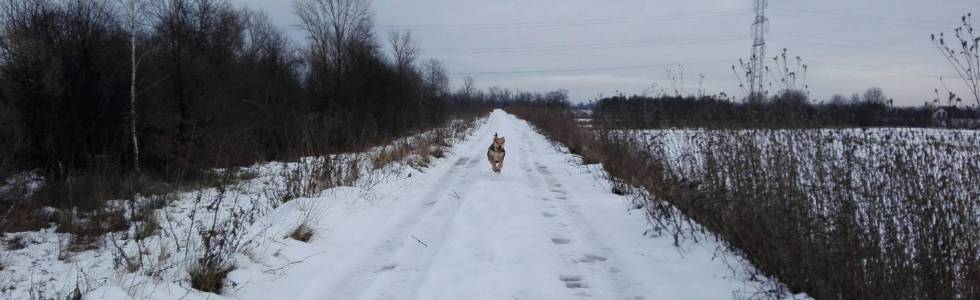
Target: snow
x: 546, y: 228
x: 24, y: 183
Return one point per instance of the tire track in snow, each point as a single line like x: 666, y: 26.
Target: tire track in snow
x: 582, y: 257
x: 533, y: 232
x: 429, y: 218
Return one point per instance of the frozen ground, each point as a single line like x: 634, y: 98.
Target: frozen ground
x: 546, y: 228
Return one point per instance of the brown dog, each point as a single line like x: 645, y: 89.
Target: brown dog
x: 496, y: 153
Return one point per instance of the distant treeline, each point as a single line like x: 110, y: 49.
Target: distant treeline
x: 790, y: 109
x: 502, y: 98
x: 215, y: 85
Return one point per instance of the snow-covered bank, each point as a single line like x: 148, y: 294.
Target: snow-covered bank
x: 249, y: 217
x: 546, y: 228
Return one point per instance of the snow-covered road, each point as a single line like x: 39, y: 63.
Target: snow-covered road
x: 546, y: 228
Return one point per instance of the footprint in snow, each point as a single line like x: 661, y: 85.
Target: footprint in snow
x: 387, y: 267
x: 572, y: 281
x: 548, y: 214
x: 560, y: 241
x: 592, y: 258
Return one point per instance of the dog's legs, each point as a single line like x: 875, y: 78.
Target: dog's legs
x: 500, y: 165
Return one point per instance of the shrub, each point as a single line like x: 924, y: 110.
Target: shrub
x: 302, y: 233
x: 209, y: 278
x: 16, y: 242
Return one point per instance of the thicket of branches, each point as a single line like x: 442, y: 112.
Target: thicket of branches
x: 962, y: 51
x: 215, y: 86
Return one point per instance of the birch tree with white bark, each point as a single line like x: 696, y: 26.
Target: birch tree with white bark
x: 133, y: 10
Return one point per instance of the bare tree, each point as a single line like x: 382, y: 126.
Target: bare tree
x: 875, y: 95
x: 435, y: 77
x: 134, y: 11
x: 403, y: 49
x: 436, y: 84
x: 838, y: 99
x: 333, y: 26
x: 964, y: 55
x: 469, y: 87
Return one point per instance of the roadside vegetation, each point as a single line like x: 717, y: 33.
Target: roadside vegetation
x: 834, y: 213
x: 849, y: 198
x: 213, y: 108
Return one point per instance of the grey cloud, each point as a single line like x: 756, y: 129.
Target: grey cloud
x: 849, y: 45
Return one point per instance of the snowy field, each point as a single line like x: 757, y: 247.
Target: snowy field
x: 891, y: 165
x: 898, y: 194
x: 546, y: 228
x: 684, y: 149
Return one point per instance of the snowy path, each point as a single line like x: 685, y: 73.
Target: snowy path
x: 543, y: 229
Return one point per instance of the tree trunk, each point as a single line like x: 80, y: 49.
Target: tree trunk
x: 132, y: 7
x: 132, y: 99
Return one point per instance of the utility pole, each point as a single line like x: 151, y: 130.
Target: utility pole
x: 757, y: 64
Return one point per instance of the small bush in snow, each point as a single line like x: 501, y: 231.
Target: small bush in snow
x: 209, y: 278
x: 302, y: 233
x: 16, y: 242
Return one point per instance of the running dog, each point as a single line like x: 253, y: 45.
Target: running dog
x: 496, y: 154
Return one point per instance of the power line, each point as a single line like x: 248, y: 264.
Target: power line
x: 570, y: 23
x: 864, y: 18
x: 631, y: 67
x: 912, y: 21
x: 676, y: 17
x: 813, y: 65
x: 790, y: 38
x: 851, y: 42
x: 875, y: 69
x: 852, y: 46
x: 566, y: 47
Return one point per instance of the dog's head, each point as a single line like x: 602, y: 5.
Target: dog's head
x: 498, y: 141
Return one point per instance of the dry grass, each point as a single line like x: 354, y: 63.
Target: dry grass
x: 86, y: 228
x: 15, y: 242
x: 147, y: 228
x: 845, y: 215
x: 894, y: 220
x: 209, y: 278
x: 20, y: 217
x: 302, y: 233
x: 417, y: 151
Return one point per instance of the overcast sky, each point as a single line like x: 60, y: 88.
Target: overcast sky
x: 596, y: 47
